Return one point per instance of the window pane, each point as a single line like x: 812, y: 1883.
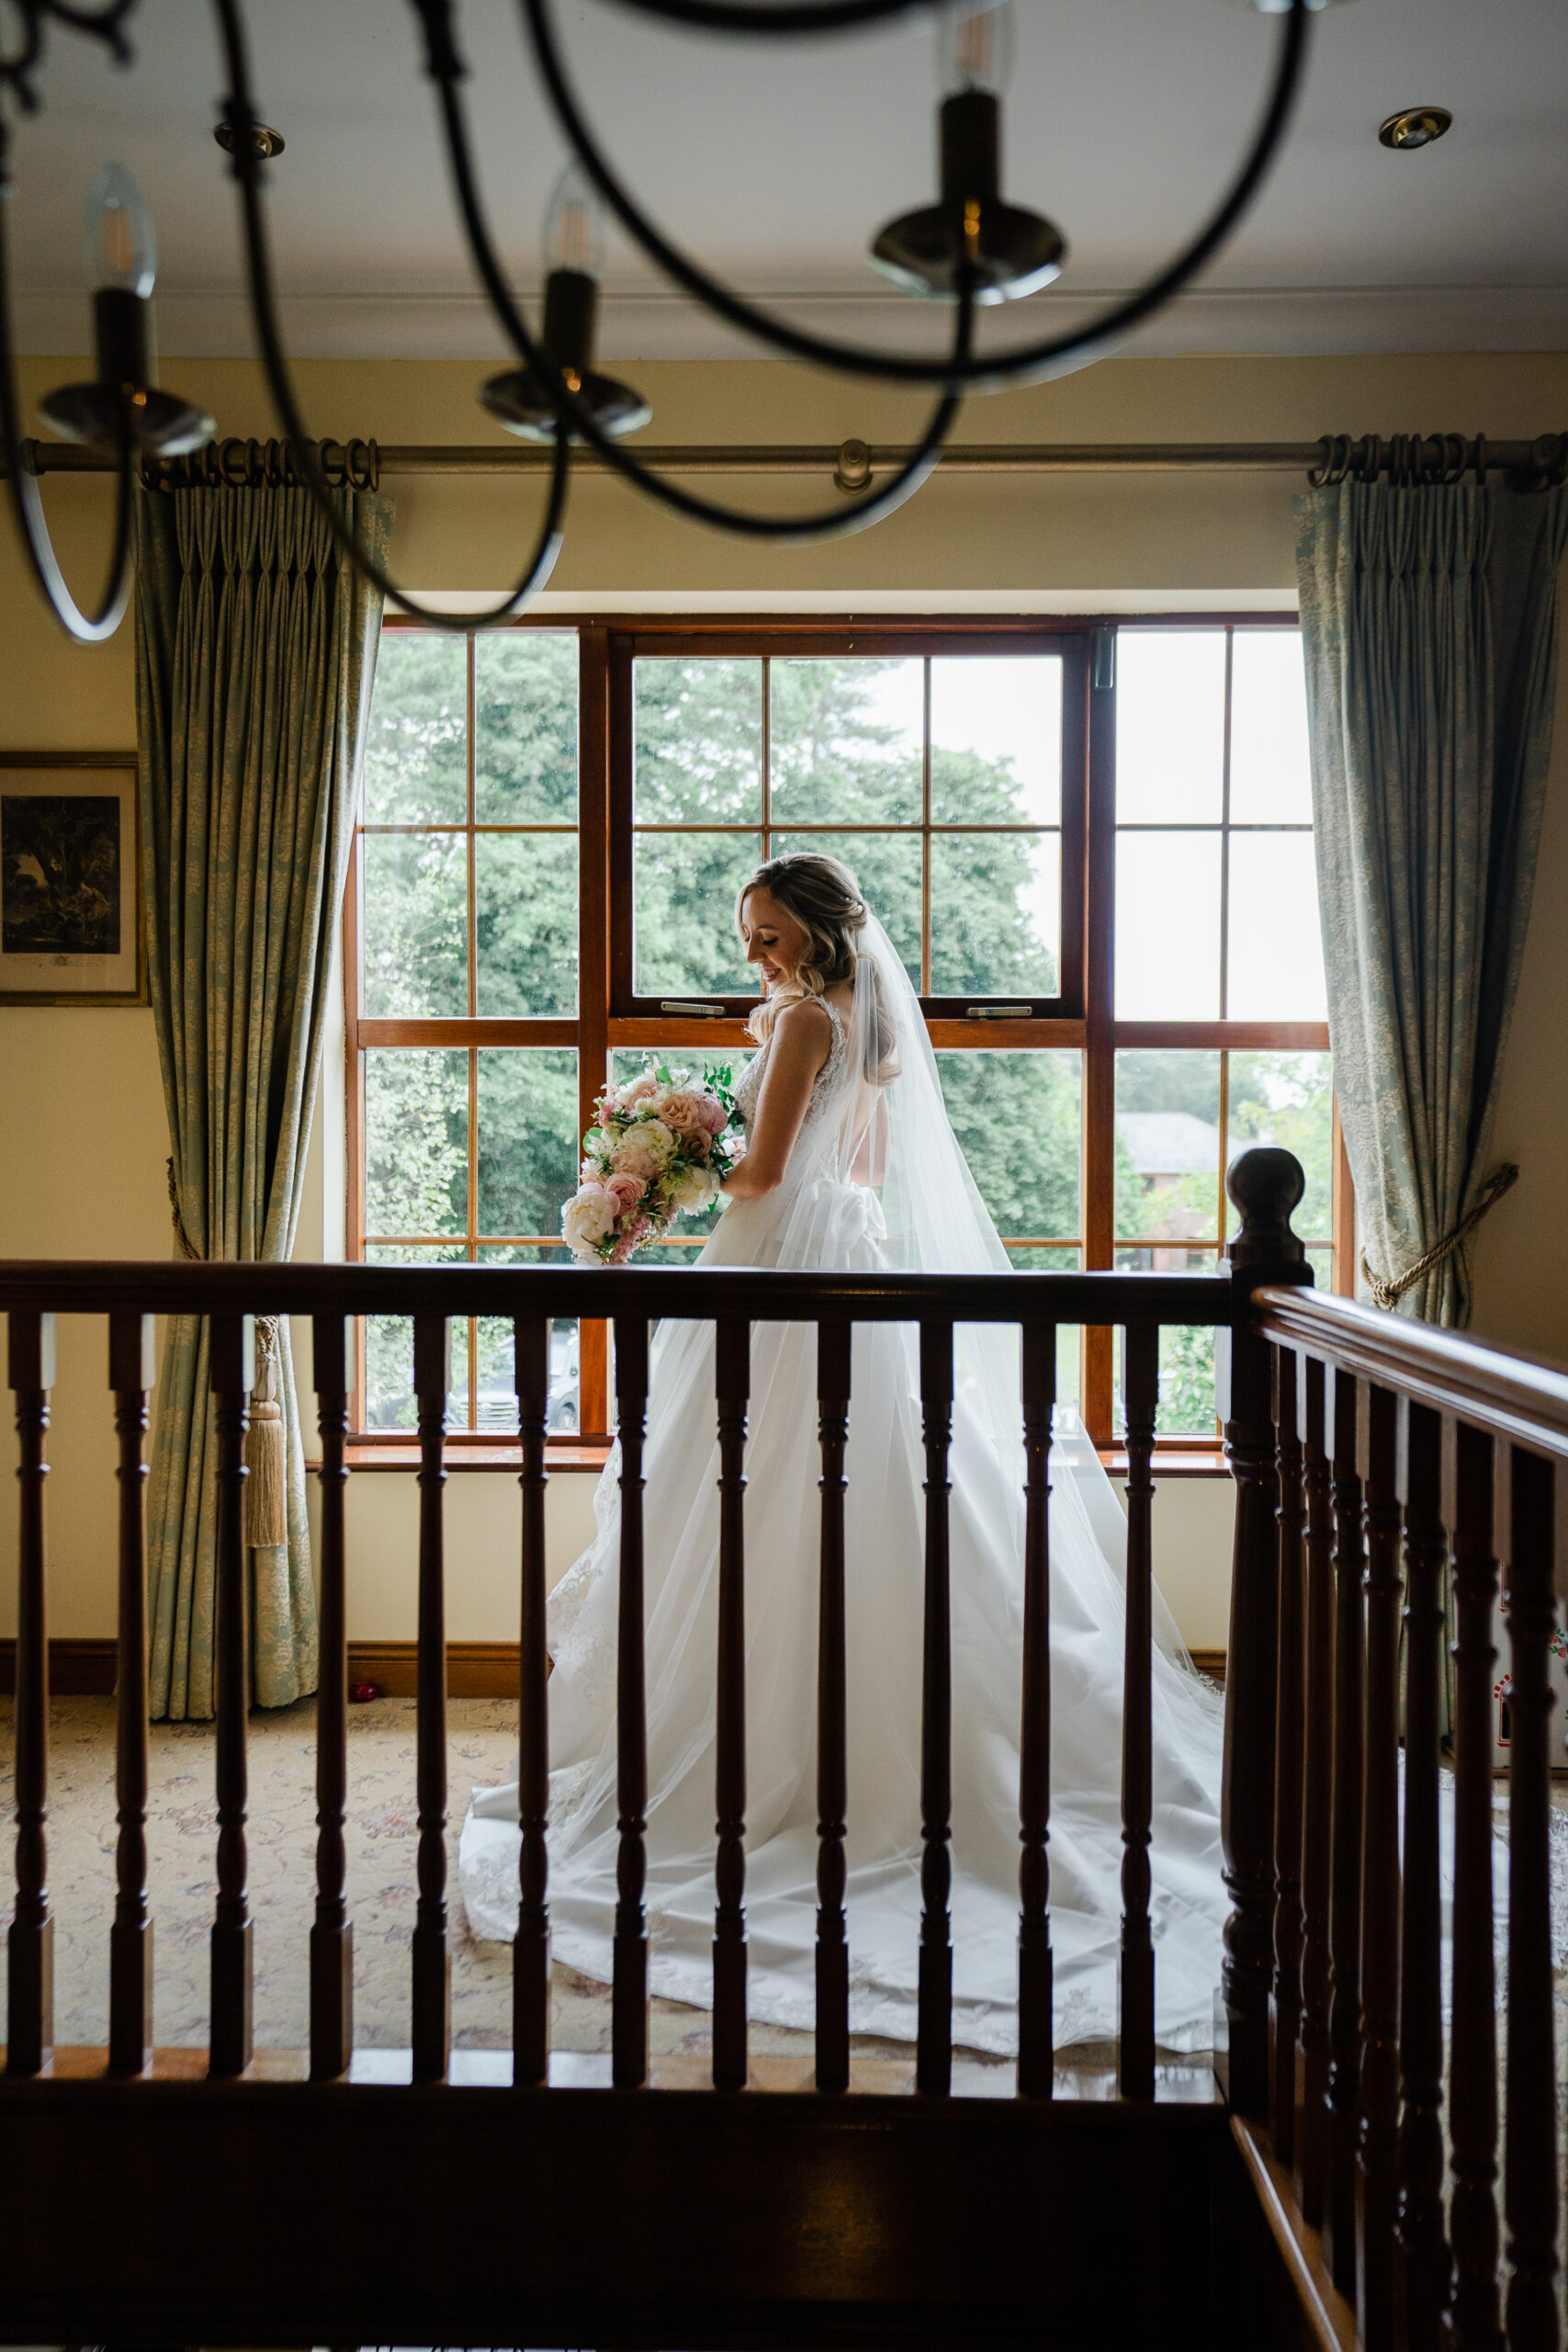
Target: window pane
x: 1170, y: 726
x: 697, y: 728
x: 1271, y: 774
x: 526, y: 726
x: 525, y: 918
x: 1185, y: 1406
x: 845, y: 743
x: 684, y: 887
x: 1275, y: 944
x: 996, y: 1099
x: 1168, y: 1150
x: 414, y: 958
x: 416, y: 1140
x: 1287, y: 1099
x: 496, y: 1385
x: 996, y: 914
x: 416, y: 761
x: 887, y: 867
x: 389, y: 1401
x: 1167, y: 926
x: 997, y: 739
x: 527, y: 1137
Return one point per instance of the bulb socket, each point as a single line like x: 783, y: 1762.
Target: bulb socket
x: 120, y: 328
x: 969, y: 144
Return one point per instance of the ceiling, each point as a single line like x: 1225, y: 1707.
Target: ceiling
x: 776, y: 164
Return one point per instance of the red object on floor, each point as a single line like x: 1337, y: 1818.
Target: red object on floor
x: 360, y: 1692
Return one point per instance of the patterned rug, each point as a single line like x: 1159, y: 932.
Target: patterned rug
x: 382, y: 1847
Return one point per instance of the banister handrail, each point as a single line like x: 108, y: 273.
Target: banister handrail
x: 87, y: 1287
x: 1499, y: 1389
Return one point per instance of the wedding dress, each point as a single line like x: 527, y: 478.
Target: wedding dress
x: 876, y: 1181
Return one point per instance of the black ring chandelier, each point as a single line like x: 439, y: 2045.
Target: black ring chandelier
x: 970, y: 248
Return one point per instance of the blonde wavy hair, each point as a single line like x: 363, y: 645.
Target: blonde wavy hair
x: 823, y: 897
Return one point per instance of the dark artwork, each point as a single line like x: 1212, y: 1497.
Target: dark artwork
x: 59, y: 873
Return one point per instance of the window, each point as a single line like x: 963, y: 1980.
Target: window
x: 1092, y: 846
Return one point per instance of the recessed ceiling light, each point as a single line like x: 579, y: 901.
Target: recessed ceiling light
x: 267, y: 143
x: 1415, y: 127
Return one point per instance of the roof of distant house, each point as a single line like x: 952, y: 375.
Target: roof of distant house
x: 1172, y: 1143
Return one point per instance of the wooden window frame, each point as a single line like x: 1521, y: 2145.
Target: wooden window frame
x: 612, y: 1015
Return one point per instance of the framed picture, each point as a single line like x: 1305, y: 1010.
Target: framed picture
x: 71, y: 928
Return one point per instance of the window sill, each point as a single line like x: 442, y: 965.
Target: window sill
x: 1171, y: 1462
x: 589, y: 1456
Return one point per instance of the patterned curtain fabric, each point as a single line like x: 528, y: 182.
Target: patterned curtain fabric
x: 256, y: 656
x: 1429, y: 618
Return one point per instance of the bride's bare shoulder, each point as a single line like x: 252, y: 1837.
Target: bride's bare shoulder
x: 804, y: 1033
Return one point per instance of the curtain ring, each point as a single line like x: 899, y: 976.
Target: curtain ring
x: 334, y: 461
x: 234, y: 463
x: 1370, y: 458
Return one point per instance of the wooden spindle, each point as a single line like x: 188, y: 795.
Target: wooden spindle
x: 1421, y: 2259
x: 629, y: 2009
x: 132, y: 1372
x: 1472, y: 2321
x: 832, y: 1780
x: 1288, y: 1760
x: 30, y: 1941
x: 1140, y: 1396
x: 1265, y: 1184
x: 1529, y: 2143
x: 731, y: 1383
x: 331, y: 1932
x: 1378, y: 2099
x: 1345, y: 1865
x: 531, y: 1952
x: 1036, y: 2053
x: 1317, y: 1811
x: 933, y: 2051
x: 431, y: 1961
x: 231, y: 1372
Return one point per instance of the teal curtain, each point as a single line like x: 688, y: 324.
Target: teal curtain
x: 256, y: 655
x: 1429, y: 616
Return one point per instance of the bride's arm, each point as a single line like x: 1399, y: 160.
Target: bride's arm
x: 802, y: 1040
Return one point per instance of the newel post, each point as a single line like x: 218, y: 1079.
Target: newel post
x: 1264, y: 1185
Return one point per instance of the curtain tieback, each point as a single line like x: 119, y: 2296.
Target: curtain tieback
x: 1389, y: 1293
x: 266, y: 1513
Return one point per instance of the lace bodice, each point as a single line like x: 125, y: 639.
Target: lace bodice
x: 822, y: 1089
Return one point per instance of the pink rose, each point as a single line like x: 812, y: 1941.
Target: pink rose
x: 712, y: 1114
x: 627, y: 1188
x: 638, y: 1090
x: 683, y: 1114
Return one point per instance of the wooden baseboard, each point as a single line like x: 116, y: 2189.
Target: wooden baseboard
x: 77, y: 1668
x: 474, y: 1669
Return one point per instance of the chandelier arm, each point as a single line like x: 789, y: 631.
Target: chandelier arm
x: 793, y: 16
x: 246, y: 166
x: 26, y: 499
x: 17, y: 65
x: 1035, y: 362
x: 787, y: 529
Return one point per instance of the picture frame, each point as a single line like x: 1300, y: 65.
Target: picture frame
x: 71, y: 929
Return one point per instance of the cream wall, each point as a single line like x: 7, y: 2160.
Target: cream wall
x: 82, y: 1132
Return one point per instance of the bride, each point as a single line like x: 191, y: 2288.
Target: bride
x: 851, y: 1163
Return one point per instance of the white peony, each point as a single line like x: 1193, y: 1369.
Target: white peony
x: 587, y: 1218
x: 646, y: 1149
x: 693, y: 1189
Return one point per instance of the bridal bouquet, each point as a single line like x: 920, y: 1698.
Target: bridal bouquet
x: 657, y: 1150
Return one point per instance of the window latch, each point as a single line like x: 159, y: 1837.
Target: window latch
x: 999, y: 1012
x: 697, y: 1012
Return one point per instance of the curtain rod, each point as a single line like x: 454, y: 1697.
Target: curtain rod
x: 1409, y: 459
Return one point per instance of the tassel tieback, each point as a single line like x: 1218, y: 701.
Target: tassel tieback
x: 1389, y: 1294
x: 266, y: 1510
x: 266, y: 1494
